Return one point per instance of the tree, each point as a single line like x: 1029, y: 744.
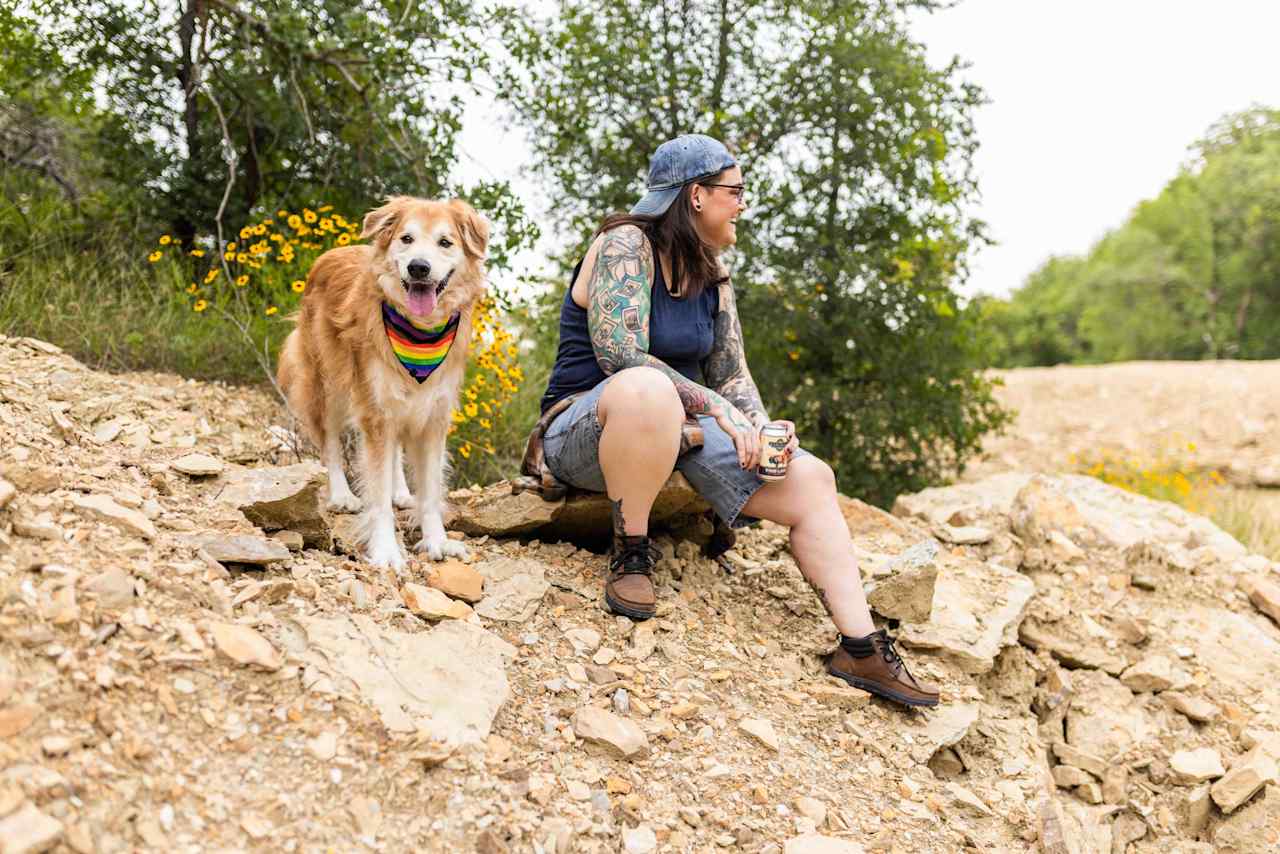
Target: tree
x: 857, y: 154
x: 306, y: 100
x: 1193, y: 273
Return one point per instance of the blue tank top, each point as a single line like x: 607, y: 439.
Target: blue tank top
x: 681, y: 334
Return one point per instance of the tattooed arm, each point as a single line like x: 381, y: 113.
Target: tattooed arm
x: 725, y: 369
x: 619, y: 300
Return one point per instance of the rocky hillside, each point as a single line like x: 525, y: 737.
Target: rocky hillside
x: 190, y: 660
x: 1223, y: 416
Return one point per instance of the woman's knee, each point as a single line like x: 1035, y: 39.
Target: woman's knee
x: 641, y: 391
x: 817, y: 477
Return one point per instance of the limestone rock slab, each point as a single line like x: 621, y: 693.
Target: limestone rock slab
x: 279, y: 497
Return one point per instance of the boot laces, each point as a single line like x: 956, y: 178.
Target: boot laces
x: 635, y: 559
x: 890, y: 654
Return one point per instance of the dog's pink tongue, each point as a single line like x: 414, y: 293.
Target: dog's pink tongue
x: 422, y: 301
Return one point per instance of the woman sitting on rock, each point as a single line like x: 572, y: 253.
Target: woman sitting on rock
x: 649, y: 337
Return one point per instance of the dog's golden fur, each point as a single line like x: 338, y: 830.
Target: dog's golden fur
x: 337, y: 367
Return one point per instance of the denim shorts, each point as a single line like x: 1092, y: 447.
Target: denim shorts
x: 571, y: 448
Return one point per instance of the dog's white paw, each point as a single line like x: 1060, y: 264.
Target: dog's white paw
x: 441, y: 548
x: 403, y: 499
x: 343, y: 502
x: 387, y: 558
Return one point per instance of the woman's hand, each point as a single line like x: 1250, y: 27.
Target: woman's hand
x: 746, y: 438
x: 793, y: 444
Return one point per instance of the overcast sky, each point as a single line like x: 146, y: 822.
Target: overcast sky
x: 1093, y: 104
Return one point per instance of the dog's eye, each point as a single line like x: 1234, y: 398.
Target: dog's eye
x: 406, y: 238
x: 445, y: 242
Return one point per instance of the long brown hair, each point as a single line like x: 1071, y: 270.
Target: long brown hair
x: 693, y: 263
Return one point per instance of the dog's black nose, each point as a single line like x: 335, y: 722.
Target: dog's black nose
x: 419, y: 269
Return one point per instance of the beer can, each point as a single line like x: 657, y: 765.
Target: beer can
x: 773, y: 459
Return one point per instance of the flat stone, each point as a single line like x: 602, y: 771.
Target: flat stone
x: 244, y: 645
x: 619, y: 735
x: 324, y: 746
x: 113, y: 587
x: 907, y: 593
x: 1254, y: 828
x: 431, y: 604
x: 1248, y: 774
x: 1191, y: 767
x: 977, y: 610
x: 1153, y: 673
x: 15, y: 719
x: 639, y: 840
x: 1103, y: 719
x: 29, y: 831
x: 814, y: 843
x: 812, y: 809
x: 1264, y: 594
x: 963, y: 535
x: 497, y: 512
x: 1198, y: 807
x: 198, y: 465
x: 280, y: 497
x: 1067, y: 777
x: 762, y: 731
x: 446, y: 683
x: 103, y: 508
x: 584, y: 640
x: 942, y: 727
x: 456, y: 579
x: 1196, y: 708
x: 7, y: 492
x: 588, y: 515
x: 515, y: 599
x: 962, y: 796
x: 291, y: 540
x: 242, y: 548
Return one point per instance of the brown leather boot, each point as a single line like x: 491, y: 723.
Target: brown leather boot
x: 882, y: 672
x: 629, y: 588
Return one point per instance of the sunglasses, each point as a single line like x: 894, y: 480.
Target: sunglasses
x: 738, y: 191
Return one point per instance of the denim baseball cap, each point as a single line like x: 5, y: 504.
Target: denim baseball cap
x: 677, y: 162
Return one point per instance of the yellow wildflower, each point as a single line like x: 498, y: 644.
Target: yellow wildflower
x: 484, y: 422
x: 326, y: 224
x: 197, y: 253
x: 231, y: 246
x: 165, y: 240
x: 241, y: 257
x: 465, y: 451
x: 324, y: 208
x: 192, y: 288
x: 471, y: 394
x: 200, y: 305
x: 308, y: 215
x: 246, y: 233
x: 241, y: 281
x: 282, y: 213
x: 259, y: 229
x: 458, y: 417
x: 211, y: 275
x: 154, y: 256
x: 229, y: 256
x: 344, y: 239
x: 298, y: 286
x: 271, y: 309
x: 295, y: 221
x: 470, y: 409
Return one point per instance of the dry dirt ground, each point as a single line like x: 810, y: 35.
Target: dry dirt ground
x: 171, y: 679
x: 1222, y: 416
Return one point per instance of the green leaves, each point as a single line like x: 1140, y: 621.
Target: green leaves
x: 857, y: 157
x: 1193, y: 273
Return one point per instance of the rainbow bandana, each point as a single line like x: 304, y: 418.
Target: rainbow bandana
x: 421, y: 349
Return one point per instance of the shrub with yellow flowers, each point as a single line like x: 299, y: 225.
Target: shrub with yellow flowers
x: 249, y: 280
x: 1164, y: 475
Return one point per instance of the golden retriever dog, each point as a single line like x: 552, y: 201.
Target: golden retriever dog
x: 381, y: 344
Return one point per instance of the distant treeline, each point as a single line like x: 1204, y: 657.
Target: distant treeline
x: 1193, y: 274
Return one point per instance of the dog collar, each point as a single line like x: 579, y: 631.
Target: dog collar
x: 421, y: 349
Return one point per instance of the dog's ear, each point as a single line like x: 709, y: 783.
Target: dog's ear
x: 381, y: 223
x: 473, y: 226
